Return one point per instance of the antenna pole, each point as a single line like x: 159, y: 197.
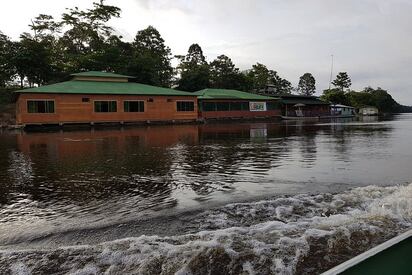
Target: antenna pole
x: 331, y: 71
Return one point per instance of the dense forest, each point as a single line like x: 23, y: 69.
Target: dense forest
x: 82, y: 40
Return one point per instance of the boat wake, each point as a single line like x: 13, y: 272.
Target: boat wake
x: 300, y: 234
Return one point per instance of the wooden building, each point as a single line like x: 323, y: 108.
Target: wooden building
x: 339, y: 110
x: 369, y: 111
x: 224, y: 104
x: 301, y: 107
x: 98, y: 97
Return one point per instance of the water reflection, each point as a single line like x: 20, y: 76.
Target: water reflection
x: 114, y: 174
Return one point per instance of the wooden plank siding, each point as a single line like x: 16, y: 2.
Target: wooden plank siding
x: 69, y: 108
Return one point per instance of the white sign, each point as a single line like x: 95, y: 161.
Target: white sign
x: 257, y: 106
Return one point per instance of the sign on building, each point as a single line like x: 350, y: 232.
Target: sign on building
x: 257, y: 106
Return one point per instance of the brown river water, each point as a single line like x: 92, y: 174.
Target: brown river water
x: 222, y: 198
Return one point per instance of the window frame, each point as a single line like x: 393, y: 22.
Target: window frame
x: 52, y: 100
x: 134, y: 100
x: 99, y: 100
x: 185, y: 101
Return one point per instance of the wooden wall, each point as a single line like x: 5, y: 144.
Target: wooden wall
x: 69, y: 108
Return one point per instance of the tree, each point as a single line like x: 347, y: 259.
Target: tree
x: 6, y: 68
x: 151, y: 63
x: 307, y: 84
x: 261, y: 78
x: 31, y: 60
x: 335, y: 96
x: 86, y: 35
x: 225, y: 75
x: 342, y: 81
x: 194, y: 70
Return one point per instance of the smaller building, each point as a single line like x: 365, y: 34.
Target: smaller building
x: 339, y: 110
x: 225, y: 103
x: 369, y: 111
x: 299, y: 106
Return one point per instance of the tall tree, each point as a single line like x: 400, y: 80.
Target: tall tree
x: 151, y: 63
x: 86, y: 34
x: 6, y: 67
x: 194, y: 70
x: 225, y: 75
x: 307, y: 84
x: 269, y: 81
x: 342, y: 81
x: 31, y: 60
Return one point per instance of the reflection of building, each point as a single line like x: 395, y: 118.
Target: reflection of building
x: 369, y: 111
x: 339, y: 110
x: 298, y: 106
x: 223, y: 103
x: 95, y: 97
x: 88, y: 143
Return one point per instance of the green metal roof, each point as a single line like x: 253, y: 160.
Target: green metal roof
x: 229, y: 94
x: 306, y: 102
x: 101, y: 87
x: 101, y: 74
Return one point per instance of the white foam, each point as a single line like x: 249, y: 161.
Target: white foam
x: 302, y: 233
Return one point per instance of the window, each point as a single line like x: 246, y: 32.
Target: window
x: 239, y: 106
x: 272, y: 105
x: 209, y: 106
x: 40, y: 106
x: 105, y: 106
x: 185, y: 106
x: 222, y: 106
x: 225, y: 106
x: 134, y: 106
x: 85, y: 99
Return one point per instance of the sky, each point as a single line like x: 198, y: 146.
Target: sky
x: 369, y: 39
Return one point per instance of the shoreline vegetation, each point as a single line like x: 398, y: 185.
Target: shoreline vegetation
x: 82, y: 40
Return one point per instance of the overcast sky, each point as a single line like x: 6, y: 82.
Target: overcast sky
x: 370, y: 39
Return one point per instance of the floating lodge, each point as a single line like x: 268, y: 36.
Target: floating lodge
x: 96, y: 97
x: 224, y: 103
x: 99, y: 97
x: 299, y: 106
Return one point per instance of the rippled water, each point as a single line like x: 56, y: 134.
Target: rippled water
x: 286, y: 184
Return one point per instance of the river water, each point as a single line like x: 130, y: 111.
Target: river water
x: 224, y: 198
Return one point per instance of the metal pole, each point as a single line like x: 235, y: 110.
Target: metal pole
x: 331, y: 71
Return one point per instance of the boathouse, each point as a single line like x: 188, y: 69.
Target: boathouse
x: 339, y: 110
x: 299, y: 106
x: 100, y: 97
x: 224, y: 104
x: 369, y: 111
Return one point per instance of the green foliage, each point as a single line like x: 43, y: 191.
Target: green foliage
x: 6, y: 53
x: 342, y: 81
x: 225, y: 75
x: 7, y: 96
x: 378, y: 98
x: 151, y: 63
x: 307, y: 84
x: 335, y: 96
x: 33, y: 60
x: 194, y: 70
x: 260, y: 77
